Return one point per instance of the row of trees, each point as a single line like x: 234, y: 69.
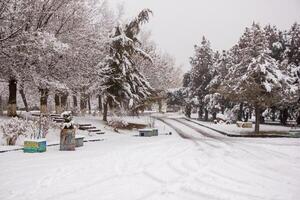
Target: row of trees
x: 71, y: 48
x: 260, y: 72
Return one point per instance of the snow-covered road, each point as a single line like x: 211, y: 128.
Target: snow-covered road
x: 165, y: 167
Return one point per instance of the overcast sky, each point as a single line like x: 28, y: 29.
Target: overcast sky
x: 179, y: 24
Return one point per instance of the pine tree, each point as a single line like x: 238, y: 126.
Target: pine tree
x: 121, y: 82
x: 257, y: 78
x: 200, y: 74
x: 291, y: 63
x: 214, y: 101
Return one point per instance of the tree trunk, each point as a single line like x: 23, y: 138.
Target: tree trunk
x: 223, y: 110
x: 297, y: 120
x: 100, y: 103
x: 240, y: 114
x: 273, y: 114
x: 205, y: 114
x: 89, y: 104
x: 105, y: 110
x: 44, y: 101
x: 1, y: 105
x: 250, y: 112
x: 159, y: 106
x: 246, y: 117
x: 12, y: 99
x: 83, y: 104
x: 284, y: 114
x: 214, y: 115
x: 188, y: 110
x: 57, y: 104
x: 262, y: 118
x: 64, y: 101
x: 75, y: 103
x: 257, y: 119
x: 22, y: 93
x: 200, y: 112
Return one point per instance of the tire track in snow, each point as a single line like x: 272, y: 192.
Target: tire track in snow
x: 233, y: 141
x: 257, y: 152
x: 250, y: 141
x: 187, y: 136
x: 231, y: 193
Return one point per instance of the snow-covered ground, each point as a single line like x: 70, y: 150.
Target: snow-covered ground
x: 166, y: 167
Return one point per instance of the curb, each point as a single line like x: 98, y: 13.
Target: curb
x: 50, y: 145
x: 240, y: 136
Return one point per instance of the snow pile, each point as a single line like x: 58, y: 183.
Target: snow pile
x: 69, y: 123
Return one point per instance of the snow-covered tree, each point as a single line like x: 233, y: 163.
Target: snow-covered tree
x: 257, y: 78
x: 162, y: 72
x: 121, y: 83
x: 291, y: 64
x: 214, y: 101
x: 35, y: 47
x: 201, y: 62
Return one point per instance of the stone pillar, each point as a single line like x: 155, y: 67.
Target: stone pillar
x: 67, y: 134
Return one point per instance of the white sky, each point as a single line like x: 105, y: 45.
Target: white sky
x: 179, y: 24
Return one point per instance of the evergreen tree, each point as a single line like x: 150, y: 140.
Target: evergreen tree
x: 120, y: 81
x: 291, y: 63
x: 200, y: 74
x: 214, y: 101
x: 186, y: 79
x: 257, y: 78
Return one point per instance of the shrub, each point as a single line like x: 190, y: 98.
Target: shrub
x: 117, y: 123
x: 14, y: 128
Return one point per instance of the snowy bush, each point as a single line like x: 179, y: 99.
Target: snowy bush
x: 14, y: 128
x: 151, y: 122
x: 18, y: 129
x: 231, y: 114
x: 44, y: 124
x: 117, y: 123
